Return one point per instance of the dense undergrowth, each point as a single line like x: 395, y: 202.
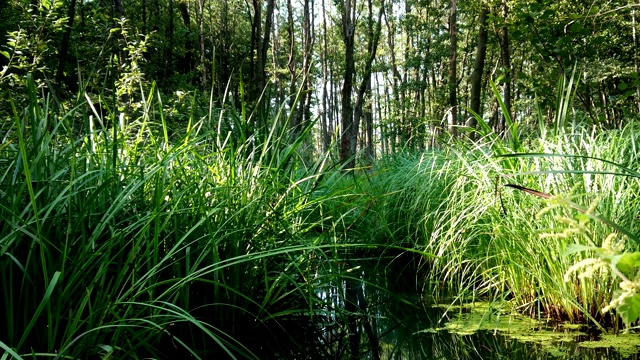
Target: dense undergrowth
x: 119, y: 240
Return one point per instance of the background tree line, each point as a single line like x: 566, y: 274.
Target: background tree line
x: 379, y: 75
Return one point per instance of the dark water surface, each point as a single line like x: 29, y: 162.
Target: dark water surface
x: 388, y: 321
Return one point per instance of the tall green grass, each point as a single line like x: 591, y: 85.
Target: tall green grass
x: 119, y: 241
x: 494, y: 242
x: 122, y: 236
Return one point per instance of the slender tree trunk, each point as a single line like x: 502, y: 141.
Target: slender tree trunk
x: 64, y: 46
x: 324, y: 133
x: 144, y: 16
x: 365, y: 84
x: 222, y: 67
x: 268, y: 22
x: 391, y: 131
x: 478, y: 68
x: 256, y: 30
x: 407, y: 119
x: 259, y: 46
x: 378, y: 108
x: 453, y: 65
x: 305, y: 99
x: 635, y: 56
x: 155, y: 12
x: 506, y: 66
x: 368, y: 121
x: 334, y: 113
x: 291, y: 64
x: 348, y: 132
x: 186, y: 63
x: 118, y: 8
x: 203, y: 65
x: 398, y: 105
x: 169, y: 68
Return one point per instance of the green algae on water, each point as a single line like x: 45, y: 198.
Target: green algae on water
x: 500, y: 319
x: 470, y: 318
x: 626, y: 344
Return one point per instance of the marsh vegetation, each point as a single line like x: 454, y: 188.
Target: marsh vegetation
x: 120, y: 240
x: 303, y: 179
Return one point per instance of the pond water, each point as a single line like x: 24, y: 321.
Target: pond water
x: 396, y: 324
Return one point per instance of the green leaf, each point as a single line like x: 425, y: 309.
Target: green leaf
x: 628, y: 263
x: 629, y: 311
x: 43, y: 303
x: 623, y: 86
x: 577, y: 27
x: 528, y: 19
x: 5, y: 54
x: 9, y: 351
x: 547, y: 14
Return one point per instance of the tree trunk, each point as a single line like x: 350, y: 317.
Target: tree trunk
x: 506, y: 66
x: 368, y: 121
x: 365, y: 86
x: 291, y: 64
x: 169, y: 68
x: 305, y: 99
x: 397, y: 77
x: 203, y: 65
x: 268, y: 22
x: 453, y: 65
x: 260, y: 42
x: 64, y: 46
x: 348, y: 132
x: 324, y: 133
x: 351, y: 128
x: 186, y: 63
x: 635, y: 56
x: 256, y: 30
x: 478, y: 68
x: 144, y: 16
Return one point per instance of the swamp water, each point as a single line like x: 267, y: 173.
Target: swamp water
x: 391, y: 323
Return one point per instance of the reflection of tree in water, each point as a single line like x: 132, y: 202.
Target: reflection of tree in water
x: 366, y: 321
x: 348, y: 319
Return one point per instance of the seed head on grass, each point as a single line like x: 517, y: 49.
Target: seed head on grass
x: 587, y: 268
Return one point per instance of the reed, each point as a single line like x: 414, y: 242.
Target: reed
x: 121, y: 239
x: 493, y: 241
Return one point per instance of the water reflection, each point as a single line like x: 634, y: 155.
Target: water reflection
x: 383, y: 320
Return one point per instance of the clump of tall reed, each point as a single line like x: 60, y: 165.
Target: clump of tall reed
x: 117, y: 241
x: 492, y: 241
